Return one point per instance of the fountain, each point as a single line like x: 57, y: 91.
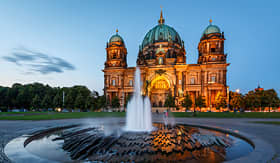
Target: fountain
x: 135, y: 141
x: 138, y: 116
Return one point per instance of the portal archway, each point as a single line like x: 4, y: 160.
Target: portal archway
x: 159, y: 89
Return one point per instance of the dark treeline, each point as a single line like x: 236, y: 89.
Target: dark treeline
x: 256, y: 100
x: 37, y: 97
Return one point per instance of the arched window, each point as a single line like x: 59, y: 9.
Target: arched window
x: 213, y: 79
x: 160, y: 61
x: 114, y: 56
x: 192, y: 81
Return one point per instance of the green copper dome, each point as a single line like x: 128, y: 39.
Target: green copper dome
x: 116, y: 38
x: 211, y: 29
x: 161, y: 33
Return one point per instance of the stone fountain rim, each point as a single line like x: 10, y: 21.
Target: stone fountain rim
x: 263, y: 151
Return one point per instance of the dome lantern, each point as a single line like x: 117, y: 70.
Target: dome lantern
x: 211, y: 29
x: 116, y: 38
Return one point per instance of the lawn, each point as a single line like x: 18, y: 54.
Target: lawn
x: 74, y: 115
x: 56, y: 115
x: 229, y: 115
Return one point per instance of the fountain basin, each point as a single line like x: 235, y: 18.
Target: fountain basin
x: 178, y: 143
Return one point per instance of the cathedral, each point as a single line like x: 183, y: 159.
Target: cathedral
x: 164, y: 71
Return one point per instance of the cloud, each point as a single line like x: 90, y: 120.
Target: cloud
x: 37, y: 62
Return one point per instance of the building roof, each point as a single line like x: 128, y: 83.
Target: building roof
x: 161, y: 33
x: 116, y: 38
x: 211, y: 29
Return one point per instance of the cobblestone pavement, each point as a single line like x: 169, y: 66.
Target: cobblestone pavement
x: 268, y: 133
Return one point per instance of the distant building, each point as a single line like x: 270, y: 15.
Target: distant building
x: 259, y: 88
x: 162, y: 61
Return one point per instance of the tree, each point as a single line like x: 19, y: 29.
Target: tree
x: 37, y: 95
x: 261, y: 99
x: 57, y: 101
x: 200, y: 102
x: 79, y: 102
x: 220, y: 101
x: 115, y: 102
x: 272, y: 98
x: 236, y: 100
x: 169, y: 101
x: 69, y: 98
x: 101, y: 102
x: 36, y: 103
x: 46, y: 102
x: 187, y: 103
x: 127, y: 98
x: 89, y: 103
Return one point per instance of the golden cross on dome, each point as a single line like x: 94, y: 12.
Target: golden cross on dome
x: 210, y: 21
x: 117, y: 30
x: 161, y: 20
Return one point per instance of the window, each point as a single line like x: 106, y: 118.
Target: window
x: 160, y: 61
x: 213, y: 79
x: 130, y: 82
x: 113, y: 82
x: 114, y: 56
x: 192, y: 80
x: 213, y: 49
x: 213, y: 59
x: 180, y: 81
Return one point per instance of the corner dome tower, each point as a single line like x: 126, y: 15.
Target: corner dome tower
x: 211, y: 29
x: 116, y: 52
x: 211, y: 45
x: 116, y: 38
x: 164, y: 37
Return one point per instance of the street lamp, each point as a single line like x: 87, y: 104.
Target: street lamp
x: 237, y: 90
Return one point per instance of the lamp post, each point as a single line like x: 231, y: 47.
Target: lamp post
x: 237, y: 90
x: 227, y: 98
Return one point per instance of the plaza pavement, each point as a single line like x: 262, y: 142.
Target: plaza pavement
x: 267, y: 133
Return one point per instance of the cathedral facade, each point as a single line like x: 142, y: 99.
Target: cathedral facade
x: 164, y: 71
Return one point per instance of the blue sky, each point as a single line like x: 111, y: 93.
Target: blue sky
x: 68, y: 37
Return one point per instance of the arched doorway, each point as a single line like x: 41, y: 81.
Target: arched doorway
x: 159, y: 90
x: 160, y: 103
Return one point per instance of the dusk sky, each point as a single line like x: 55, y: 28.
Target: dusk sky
x: 62, y: 42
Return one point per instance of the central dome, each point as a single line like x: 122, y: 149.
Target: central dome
x: 161, y: 33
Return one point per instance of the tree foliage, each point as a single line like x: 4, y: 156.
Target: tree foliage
x: 169, y: 101
x: 38, y: 96
x: 187, y: 103
x: 115, y: 102
x: 260, y: 99
x: 236, y: 100
x: 200, y: 102
x: 220, y: 101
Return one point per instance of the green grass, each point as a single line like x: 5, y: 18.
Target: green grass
x: 15, y: 113
x: 267, y: 122
x: 228, y: 115
x: 74, y: 115
x: 55, y: 115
